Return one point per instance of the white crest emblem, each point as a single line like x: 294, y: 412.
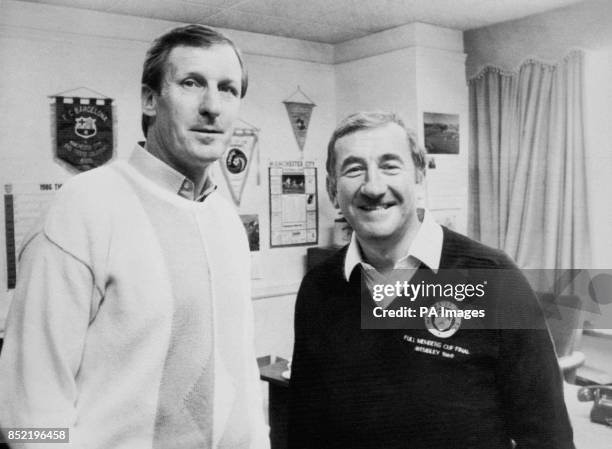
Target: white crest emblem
x: 442, y: 320
x: 85, y: 127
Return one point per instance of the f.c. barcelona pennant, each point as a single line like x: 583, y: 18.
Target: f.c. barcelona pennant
x: 83, y: 131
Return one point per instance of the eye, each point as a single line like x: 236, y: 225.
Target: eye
x: 229, y: 89
x: 191, y: 83
x: 391, y: 168
x: 353, y: 170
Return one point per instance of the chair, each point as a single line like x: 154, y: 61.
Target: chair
x: 564, y: 319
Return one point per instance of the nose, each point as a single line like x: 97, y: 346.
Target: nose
x: 373, y: 185
x: 210, y: 105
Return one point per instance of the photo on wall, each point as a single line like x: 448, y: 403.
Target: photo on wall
x: 294, y: 211
x: 441, y: 133
x: 293, y: 184
x: 251, y: 226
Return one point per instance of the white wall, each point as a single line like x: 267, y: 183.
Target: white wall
x: 386, y: 80
x: 441, y: 87
x: 547, y: 36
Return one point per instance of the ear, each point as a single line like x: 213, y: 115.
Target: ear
x: 419, y: 175
x: 148, y: 98
x: 330, y: 184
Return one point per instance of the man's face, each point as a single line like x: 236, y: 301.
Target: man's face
x: 375, y: 179
x: 194, y: 111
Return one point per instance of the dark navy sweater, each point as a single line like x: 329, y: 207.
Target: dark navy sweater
x: 359, y: 388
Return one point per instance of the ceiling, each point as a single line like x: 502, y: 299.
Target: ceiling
x: 326, y: 21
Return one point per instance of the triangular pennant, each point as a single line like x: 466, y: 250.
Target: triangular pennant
x: 299, y: 116
x: 236, y: 161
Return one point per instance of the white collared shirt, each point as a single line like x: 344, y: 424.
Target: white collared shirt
x: 426, y: 248
x: 167, y: 177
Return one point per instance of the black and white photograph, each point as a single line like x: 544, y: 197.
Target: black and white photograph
x: 293, y: 184
x: 174, y: 174
x: 251, y: 226
x: 441, y: 133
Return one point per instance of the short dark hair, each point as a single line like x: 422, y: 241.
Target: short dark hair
x: 371, y: 120
x: 195, y: 35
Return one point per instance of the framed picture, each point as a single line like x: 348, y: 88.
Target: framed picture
x: 441, y: 133
x: 251, y: 226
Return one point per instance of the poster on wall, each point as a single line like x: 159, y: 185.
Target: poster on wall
x: 294, y: 213
x: 251, y: 226
x: 24, y: 204
x: 83, y: 131
x: 441, y: 133
x: 237, y: 161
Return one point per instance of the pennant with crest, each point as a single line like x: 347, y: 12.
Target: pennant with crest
x: 299, y: 109
x: 237, y: 160
x: 83, y: 128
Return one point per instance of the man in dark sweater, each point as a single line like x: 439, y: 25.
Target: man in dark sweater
x: 438, y: 386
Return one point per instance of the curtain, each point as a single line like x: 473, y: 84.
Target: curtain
x: 527, y: 163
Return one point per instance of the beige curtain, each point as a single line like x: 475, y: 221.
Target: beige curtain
x: 527, y: 163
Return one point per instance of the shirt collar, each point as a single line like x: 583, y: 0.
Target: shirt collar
x: 167, y: 177
x: 426, y: 248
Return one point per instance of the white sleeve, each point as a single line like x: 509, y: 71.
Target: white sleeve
x: 260, y: 436
x: 44, y: 338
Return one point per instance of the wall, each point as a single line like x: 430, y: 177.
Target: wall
x: 51, y: 49
x: 547, y: 36
x: 550, y: 36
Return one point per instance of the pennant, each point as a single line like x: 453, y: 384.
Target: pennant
x: 299, y: 116
x: 299, y: 109
x: 83, y: 131
x: 236, y: 161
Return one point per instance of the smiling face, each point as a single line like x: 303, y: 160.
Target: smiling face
x: 375, y: 184
x: 194, y: 111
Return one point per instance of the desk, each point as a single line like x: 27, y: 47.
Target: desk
x: 587, y: 435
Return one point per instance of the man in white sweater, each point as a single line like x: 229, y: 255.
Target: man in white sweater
x: 131, y: 323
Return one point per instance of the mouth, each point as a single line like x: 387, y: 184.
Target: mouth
x: 207, y: 130
x: 208, y: 136
x: 375, y: 207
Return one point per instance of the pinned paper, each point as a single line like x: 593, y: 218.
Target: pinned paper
x: 294, y: 211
